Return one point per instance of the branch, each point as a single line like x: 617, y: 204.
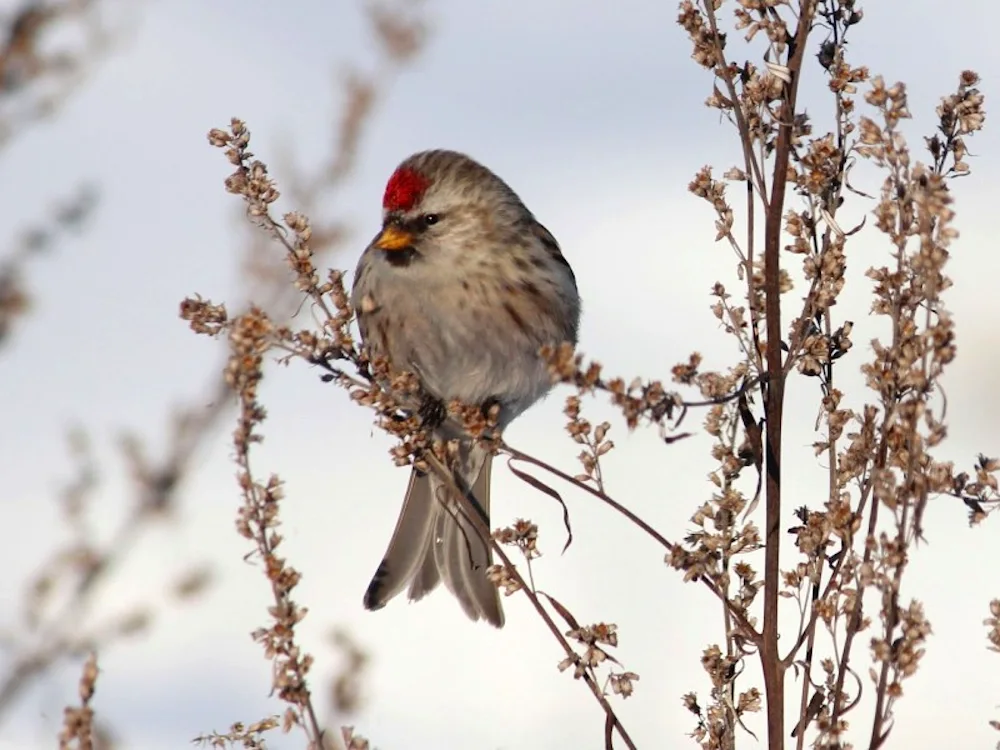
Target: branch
x: 774, y: 402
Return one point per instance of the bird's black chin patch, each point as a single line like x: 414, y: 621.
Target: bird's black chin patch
x: 401, y: 258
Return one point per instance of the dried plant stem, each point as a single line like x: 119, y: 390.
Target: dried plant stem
x: 854, y: 624
x: 755, y: 173
x: 751, y: 290
x: 774, y: 673
x: 810, y: 627
x: 260, y: 524
x: 258, y: 520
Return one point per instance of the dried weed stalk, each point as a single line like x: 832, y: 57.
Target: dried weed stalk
x: 67, y: 216
x: 851, y: 543
x: 258, y: 521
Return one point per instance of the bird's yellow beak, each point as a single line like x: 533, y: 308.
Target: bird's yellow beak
x: 394, y: 238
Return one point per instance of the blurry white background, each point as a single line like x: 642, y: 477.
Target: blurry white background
x: 593, y: 113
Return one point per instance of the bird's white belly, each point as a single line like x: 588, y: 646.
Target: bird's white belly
x: 471, y: 356
x: 473, y: 364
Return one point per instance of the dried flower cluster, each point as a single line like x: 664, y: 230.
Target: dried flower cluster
x: 637, y: 401
x: 993, y: 636
x: 523, y: 535
x: 717, y: 723
x: 78, y: 721
x: 591, y: 438
x: 247, y: 736
x: 595, y: 638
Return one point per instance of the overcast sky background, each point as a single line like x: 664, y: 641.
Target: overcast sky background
x: 592, y: 112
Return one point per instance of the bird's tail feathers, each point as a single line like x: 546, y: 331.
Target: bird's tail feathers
x: 436, y: 540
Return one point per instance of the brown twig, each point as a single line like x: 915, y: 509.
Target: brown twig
x: 258, y: 521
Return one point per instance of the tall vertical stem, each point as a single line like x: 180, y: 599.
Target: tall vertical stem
x: 774, y: 673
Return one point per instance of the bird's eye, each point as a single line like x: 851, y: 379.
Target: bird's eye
x: 430, y: 219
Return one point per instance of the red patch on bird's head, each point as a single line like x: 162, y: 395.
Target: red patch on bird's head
x: 404, y: 189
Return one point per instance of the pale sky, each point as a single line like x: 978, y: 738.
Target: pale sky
x: 593, y: 114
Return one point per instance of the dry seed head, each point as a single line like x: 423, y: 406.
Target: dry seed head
x: 501, y: 577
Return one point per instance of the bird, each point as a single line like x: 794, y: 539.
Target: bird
x: 463, y: 287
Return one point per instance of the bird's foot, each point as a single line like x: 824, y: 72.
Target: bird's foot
x: 491, y: 407
x: 432, y: 411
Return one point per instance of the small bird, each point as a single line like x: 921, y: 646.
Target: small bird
x: 462, y: 287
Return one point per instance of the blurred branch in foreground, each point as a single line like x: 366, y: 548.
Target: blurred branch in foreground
x: 68, y: 216
x: 47, y: 49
